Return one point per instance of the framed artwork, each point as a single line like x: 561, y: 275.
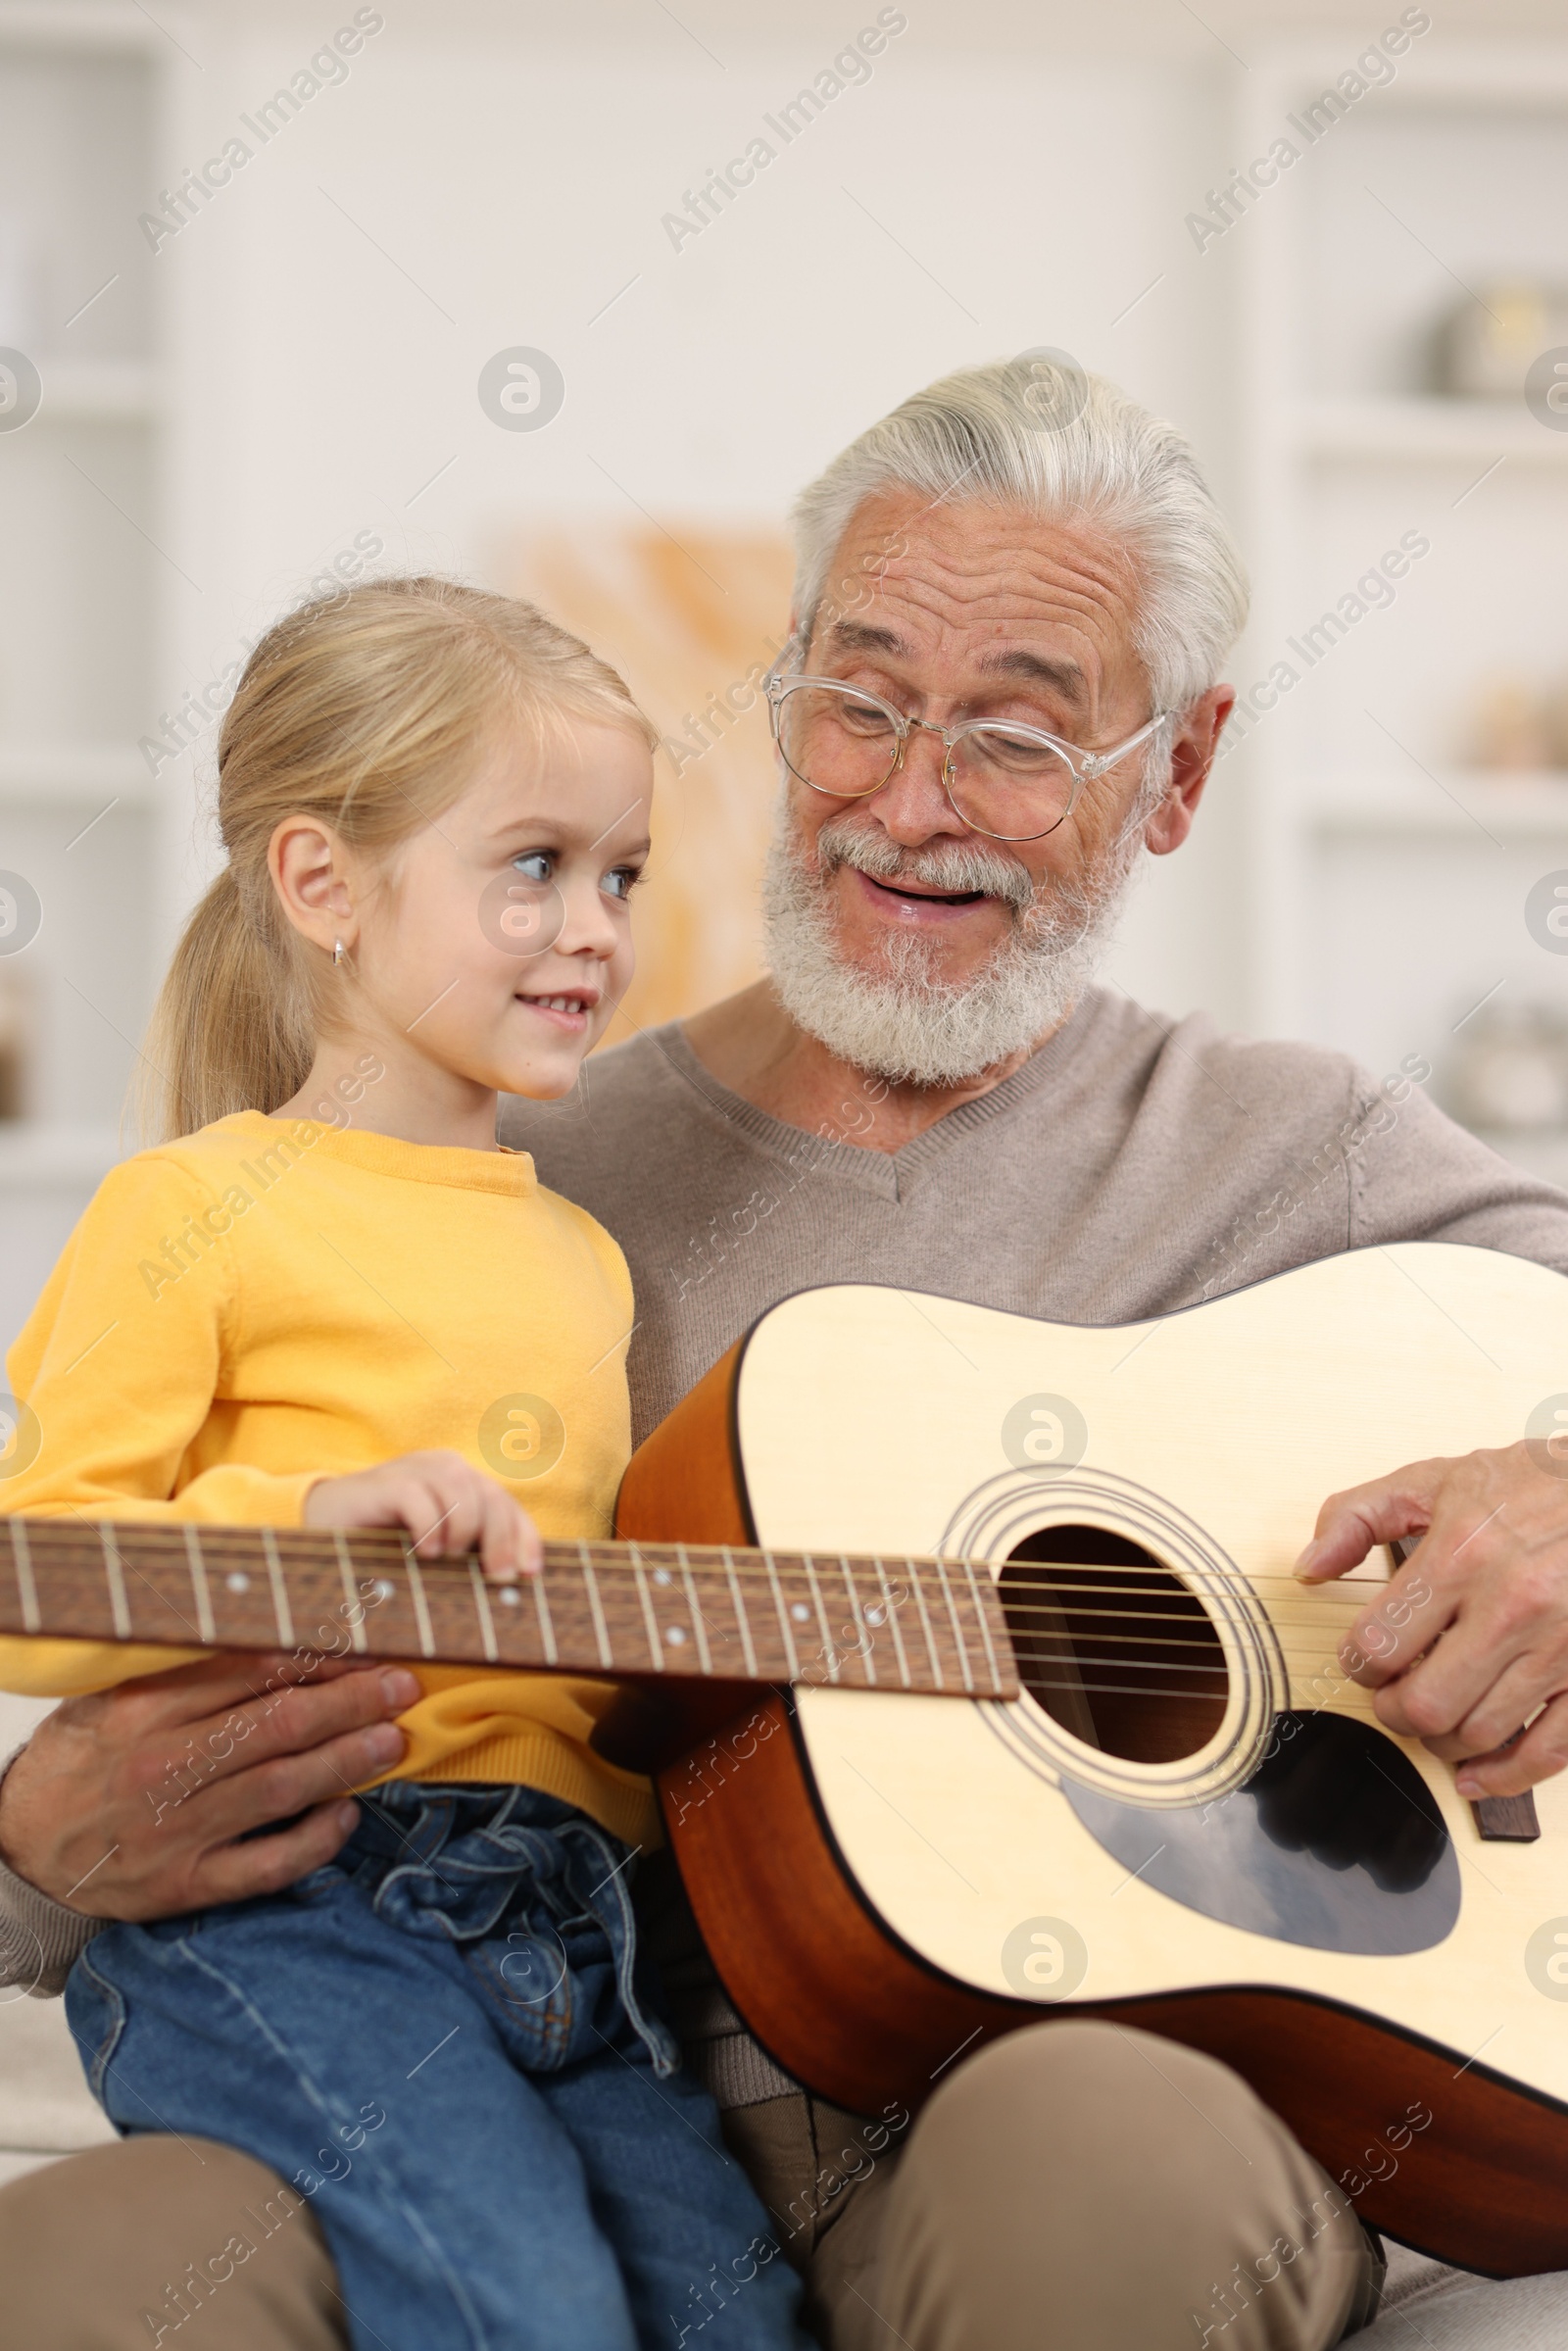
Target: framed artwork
x: 692, y: 617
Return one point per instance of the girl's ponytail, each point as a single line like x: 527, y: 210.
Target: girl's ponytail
x: 232, y: 1027
x: 367, y: 711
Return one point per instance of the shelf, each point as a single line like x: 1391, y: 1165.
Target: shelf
x: 92, y: 25
x: 74, y: 771
x: 1464, y: 802
x: 1429, y: 431
x: 34, y: 1154
x: 92, y: 391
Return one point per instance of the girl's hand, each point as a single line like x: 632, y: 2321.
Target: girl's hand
x: 447, y: 1505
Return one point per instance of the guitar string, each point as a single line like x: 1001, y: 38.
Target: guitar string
x: 1301, y: 1664
x: 1093, y: 1625
x: 385, y: 1544
x: 698, y: 1557
x: 1095, y: 1639
x: 1075, y: 1607
x: 1179, y: 1603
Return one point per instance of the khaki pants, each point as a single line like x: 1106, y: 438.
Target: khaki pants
x: 1074, y: 2187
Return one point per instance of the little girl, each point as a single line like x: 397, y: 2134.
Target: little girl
x: 329, y: 1299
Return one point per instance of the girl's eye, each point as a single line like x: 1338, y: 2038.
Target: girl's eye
x: 620, y: 881
x: 534, y: 864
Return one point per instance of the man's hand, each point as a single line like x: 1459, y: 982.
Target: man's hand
x: 130, y: 1804
x: 1469, y: 1639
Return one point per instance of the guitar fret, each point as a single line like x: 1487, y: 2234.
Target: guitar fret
x: 421, y: 1606
x: 541, y: 1610
x: 918, y: 1590
x: 978, y: 1597
x: 26, y: 1589
x: 650, y: 1621
x: 274, y: 1576
x: 821, y: 1617
x: 354, y: 1609
x: 894, y: 1626
x: 611, y: 1608
x: 607, y: 1655
x: 481, y: 1609
x: 863, y: 1641
x: 115, y: 1575
x: 790, y: 1651
x: 743, y: 1622
x: 704, y: 1656
x: 958, y: 1629
x: 203, y: 1598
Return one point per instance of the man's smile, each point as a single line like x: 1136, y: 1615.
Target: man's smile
x: 917, y: 901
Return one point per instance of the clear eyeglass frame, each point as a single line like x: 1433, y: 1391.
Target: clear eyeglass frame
x: 1083, y: 766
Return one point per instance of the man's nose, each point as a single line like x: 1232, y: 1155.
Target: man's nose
x: 912, y: 806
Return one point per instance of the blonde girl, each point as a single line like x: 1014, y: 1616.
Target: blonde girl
x: 329, y: 1299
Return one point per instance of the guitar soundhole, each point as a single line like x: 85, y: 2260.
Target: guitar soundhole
x: 1113, y: 1645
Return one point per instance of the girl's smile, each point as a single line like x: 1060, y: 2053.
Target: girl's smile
x: 568, y: 1012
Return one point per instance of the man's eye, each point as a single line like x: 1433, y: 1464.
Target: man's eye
x: 863, y: 718
x: 621, y: 881
x: 534, y: 864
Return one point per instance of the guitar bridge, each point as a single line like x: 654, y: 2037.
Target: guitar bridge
x: 1507, y: 1820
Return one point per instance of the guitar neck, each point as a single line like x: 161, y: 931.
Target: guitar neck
x: 597, y: 1609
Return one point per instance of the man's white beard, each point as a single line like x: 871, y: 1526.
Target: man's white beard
x: 907, y: 1023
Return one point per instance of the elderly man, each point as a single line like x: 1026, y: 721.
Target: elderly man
x: 1013, y: 601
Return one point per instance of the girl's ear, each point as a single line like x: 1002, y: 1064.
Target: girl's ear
x: 305, y: 863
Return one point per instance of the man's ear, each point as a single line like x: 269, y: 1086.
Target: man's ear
x: 1190, y: 760
x: 305, y: 861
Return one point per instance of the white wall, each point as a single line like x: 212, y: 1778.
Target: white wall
x: 494, y: 173
x: 502, y: 195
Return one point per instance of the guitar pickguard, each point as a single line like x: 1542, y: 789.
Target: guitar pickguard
x: 1334, y: 1842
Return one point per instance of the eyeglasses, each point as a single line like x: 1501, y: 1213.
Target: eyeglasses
x: 1011, y: 782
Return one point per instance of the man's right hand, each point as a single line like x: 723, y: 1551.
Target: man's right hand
x: 132, y: 1804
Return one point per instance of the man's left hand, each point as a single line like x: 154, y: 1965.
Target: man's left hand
x: 1468, y: 1640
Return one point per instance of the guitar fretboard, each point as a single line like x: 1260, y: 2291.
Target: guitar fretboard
x: 621, y: 1608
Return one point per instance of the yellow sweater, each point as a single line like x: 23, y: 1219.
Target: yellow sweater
x: 265, y: 1303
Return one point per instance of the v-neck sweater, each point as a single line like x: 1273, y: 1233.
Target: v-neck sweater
x: 1132, y: 1166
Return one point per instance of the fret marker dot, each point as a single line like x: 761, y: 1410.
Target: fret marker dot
x: 662, y: 1574
x: 384, y: 1587
x: 873, y: 1616
x: 510, y: 1596
x: 801, y: 1613
x: 237, y: 1580
x: 674, y: 1634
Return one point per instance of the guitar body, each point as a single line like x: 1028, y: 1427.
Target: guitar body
x: 1191, y: 1821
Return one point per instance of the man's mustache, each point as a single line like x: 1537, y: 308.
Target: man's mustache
x: 955, y: 867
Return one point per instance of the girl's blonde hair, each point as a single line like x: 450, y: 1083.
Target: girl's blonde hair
x: 366, y: 709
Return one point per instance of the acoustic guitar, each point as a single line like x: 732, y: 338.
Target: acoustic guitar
x: 1190, y: 1820
x: 969, y: 1655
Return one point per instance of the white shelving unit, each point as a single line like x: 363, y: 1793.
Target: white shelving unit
x: 1387, y: 879
x: 83, y: 102
x: 83, y: 497
x: 1462, y: 801
x: 1420, y: 431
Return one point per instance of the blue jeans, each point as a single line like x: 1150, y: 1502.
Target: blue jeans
x: 444, y: 2041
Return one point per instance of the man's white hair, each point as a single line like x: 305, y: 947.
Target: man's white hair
x: 1039, y: 435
